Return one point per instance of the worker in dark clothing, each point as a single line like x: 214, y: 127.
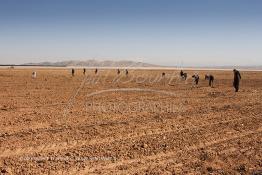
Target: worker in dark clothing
x: 210, y: 79
x: 181, y: 73
x: 73, y: 72
x: 237, y: 78
x: 196, y: 78
x: 84, y: 71
x: 96, y: 70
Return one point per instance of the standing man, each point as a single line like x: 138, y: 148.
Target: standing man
x: 181, y: 73
x: 237, y: 78
x: 73, y: 72
x: 84, y: 71
x: 210, y: 79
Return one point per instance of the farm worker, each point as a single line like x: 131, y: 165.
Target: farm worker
x: 33, y: 74
x: 73, y: 72
x: 237, y: 78
x: 196, y: 78
x: 210, y: 79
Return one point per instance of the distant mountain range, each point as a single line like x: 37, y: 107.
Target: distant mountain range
x: 125, y: 63
x: 94, y: 63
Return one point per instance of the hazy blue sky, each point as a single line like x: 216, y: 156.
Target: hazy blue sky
x: 167, y: 32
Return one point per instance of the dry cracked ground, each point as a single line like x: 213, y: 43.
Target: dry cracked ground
x: 142, y: 123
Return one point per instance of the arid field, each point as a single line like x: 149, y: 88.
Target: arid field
x: 143, y: 123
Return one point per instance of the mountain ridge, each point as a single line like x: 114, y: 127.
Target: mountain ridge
x: 95, y: 63
x: 128, y: 63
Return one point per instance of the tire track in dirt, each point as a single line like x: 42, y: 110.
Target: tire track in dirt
x: 167, y: 154
x: 41, y: 106
x: 79, y: 143
x: 194, y: 153
x: 128, y: 122
x: 116, y: 123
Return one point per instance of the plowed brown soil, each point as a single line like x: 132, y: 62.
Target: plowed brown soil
x: 118, y: 124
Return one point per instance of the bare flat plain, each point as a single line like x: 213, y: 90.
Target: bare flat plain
x: 142, y: 123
